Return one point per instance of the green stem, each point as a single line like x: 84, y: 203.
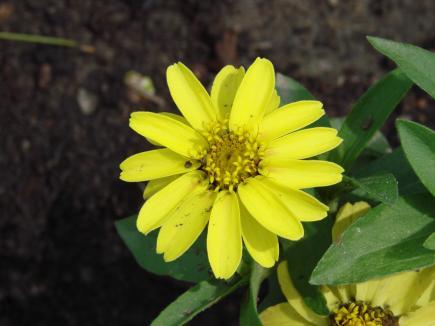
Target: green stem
x: 30, y: 38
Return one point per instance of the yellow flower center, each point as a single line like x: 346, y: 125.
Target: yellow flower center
x: 232, y: 157
x: 362, y: 314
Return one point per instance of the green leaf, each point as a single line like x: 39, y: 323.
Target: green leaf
x: 382, y: 187
x: 429, y: 243
x: 368, y: 115
x: 192, y: 266
x: 290, y: 91
x: 248, y: 311
x: 417, y: 63
x: 302, y: 257
x: 387, y: 239
x: 396, y: 164
x: 376, y: 147
x: 418, y: 142
x: 196, y: 299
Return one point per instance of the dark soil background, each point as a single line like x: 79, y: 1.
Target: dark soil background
x: 64, y: 128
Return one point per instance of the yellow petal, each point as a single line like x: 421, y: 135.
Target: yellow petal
x: 428, y: 293
x: 190, y: 96
x: 224, y: 89
x: 344, y: 293
x: 253, y: 95
x: 157, y: 208
x: 283, y: 315
x: 155, y: 164
x: 365, y: 291
x: 304, y: 207
x: 289, y: 118
x: 184, y: 225
x: 269, y: 211
x: 346, y: 215
x: 421, y: 317
x: 294, y: 298
x: 300, y: 174
x: 261, y: 244
x: 168, y: 132
x: 304, y: 143
x: 400, y: 292
x: 332, y: 301
x: 224, y: 238
x: 274, y: 102
x: 156, y: 185
x: 174, y: 116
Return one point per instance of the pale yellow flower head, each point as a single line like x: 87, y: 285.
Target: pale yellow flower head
x: 236, y: 161
x: 405, y: 299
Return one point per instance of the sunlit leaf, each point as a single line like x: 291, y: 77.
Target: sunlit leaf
x: 418, y: 143
x: 387, y: 239
x: 381, y: 187
x: 417, y: 63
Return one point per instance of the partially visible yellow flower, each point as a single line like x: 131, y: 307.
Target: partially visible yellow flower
x: 234, y: 161
x: 405, y: 299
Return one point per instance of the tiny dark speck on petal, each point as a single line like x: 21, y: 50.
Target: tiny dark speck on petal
x: 188, y: 164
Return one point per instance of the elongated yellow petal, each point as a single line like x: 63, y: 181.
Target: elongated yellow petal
x: 261, y: 244
x: 190, y: 96
x: 175, y: 117
x: 283, y: 315
x: 332, y: 301
x: 157, y: 208
x: 269, y: 211
x: 156, y: 185
x: 289, y: 118
x: 344, y: 293
x: 224, y: 238
x: 304, y: 143
x: 300, y: 174
x: 155, y: 164
x: 168, y: 132
x: 421, y: 317
x: 274, y: 102
x: 429, y: 293
x: 304, y: 207
x: 365, y: 291
x: 253, y: 96
x: 224, y: 89
x: 400, y: 292
x: 294, y: 298
x: 346, y: 215
x: 184, y: 225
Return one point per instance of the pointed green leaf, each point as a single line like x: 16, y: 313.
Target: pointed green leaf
x: 396, y: 164
x: 193, y: 266
x: 417, y: 63
x: 368, y: 115
x: 418, y: 142
x: 197, y: 299
x: 381, y: 187
x: 387, y: 239
x: 429, y: 243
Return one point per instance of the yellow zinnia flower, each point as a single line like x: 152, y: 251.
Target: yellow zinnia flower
x: 405, y: 299
x: 234, y: 161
